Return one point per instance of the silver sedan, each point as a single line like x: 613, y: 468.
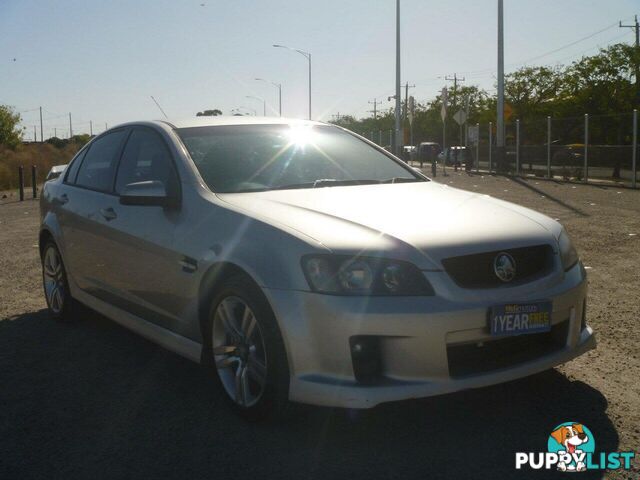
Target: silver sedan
x: 300, y: 262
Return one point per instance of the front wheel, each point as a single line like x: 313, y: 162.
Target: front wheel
x: 247, y: 351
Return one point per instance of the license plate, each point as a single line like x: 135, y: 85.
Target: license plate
x: 520, y: 318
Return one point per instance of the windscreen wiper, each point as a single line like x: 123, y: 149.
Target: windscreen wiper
x: 325, y: 182
x: 401, y: 180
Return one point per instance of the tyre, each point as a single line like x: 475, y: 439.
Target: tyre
x: 60, y: 304
x: 246, y: 351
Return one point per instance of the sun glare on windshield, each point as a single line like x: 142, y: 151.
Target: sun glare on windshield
x: 300, y: 135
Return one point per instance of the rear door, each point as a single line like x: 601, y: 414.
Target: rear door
x: 88, y: 186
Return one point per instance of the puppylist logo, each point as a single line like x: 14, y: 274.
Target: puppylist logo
x: 571, y: 448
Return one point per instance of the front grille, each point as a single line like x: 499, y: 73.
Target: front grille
x: 472, y: 359
x: 476, y: 270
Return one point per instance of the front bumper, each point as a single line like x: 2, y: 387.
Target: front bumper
x: 416, y: 335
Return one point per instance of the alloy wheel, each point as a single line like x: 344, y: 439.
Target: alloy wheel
x: 239, y: 351
x: 54, y: 284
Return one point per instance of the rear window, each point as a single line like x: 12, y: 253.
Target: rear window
x: 72, y: 171
x: 98, y: 168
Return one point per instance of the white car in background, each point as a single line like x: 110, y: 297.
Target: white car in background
x: 55, y: 172
x: 285, y: 256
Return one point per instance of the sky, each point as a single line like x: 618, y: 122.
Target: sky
x: 103, y: 60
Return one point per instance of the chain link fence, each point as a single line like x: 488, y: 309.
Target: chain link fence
x: 587, y: 148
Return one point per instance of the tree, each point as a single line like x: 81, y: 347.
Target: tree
x: 531, y: 91
x: 209, y: 113
x: 10, y: 133
x: 601, y: 84
x: 78, y: 140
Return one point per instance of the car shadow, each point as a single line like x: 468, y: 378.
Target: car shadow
x: 524, y: 183
x: 93, y: 400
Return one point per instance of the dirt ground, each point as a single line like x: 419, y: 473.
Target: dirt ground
x: 94, y: 400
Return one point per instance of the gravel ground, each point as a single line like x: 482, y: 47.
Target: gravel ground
x: 94, y: 400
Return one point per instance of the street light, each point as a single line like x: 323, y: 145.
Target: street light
x: 307, y: 55
x: 264, y: 104
x: 279, y: 86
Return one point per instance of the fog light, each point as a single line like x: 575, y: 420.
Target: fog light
x: 366, y: 358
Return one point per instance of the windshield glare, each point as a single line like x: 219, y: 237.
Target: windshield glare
x: 242, y: 158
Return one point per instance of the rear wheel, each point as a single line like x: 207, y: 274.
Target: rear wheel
x: 56, y: 287
x: 246, y: 350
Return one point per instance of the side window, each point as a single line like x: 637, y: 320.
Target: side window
x: 146, y: 157
x: 99, y: 165
x: 72, y: 171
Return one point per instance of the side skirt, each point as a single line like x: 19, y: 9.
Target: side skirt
x: 159, y: 335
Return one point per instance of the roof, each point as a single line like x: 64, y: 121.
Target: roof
x: 236, y: 120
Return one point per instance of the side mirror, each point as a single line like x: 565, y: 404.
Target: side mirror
x: 149, y: 193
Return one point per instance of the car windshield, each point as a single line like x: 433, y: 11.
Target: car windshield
x: 244, y: 158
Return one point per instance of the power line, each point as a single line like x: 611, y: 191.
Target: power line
x: 545, y: 54
x: 551, y: 52
x: 599, y: 46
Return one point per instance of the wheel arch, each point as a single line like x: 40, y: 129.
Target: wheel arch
x: 44, y: 236
x: 50, y: 230
x: 212, y: 280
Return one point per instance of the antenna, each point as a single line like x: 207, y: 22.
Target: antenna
x: 158, y: 105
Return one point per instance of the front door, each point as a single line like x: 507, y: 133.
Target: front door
x: 147, y: 273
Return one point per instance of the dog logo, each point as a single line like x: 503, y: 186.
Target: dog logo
x: 571, y: 448
x: 504, y: 267
x: 571, y: 441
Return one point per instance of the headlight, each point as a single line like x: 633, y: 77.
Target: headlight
x: 355, y: 276
x: 345, y: 275
x: 568, y: 253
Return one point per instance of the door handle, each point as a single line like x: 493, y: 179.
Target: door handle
x: 108, y: 214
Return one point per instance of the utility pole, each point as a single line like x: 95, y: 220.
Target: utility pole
x: 41, y: 128
x: 90, y: 128
x: 398, y: 138
x: 375, y: 108
x: 500, y: 112
x: 455, y: 81
x: 70, y: 127
x: 106, y: 127
x: 55, y: 132
x: 406, y: 99
x: 35, y: 135
x: 635, y: 26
